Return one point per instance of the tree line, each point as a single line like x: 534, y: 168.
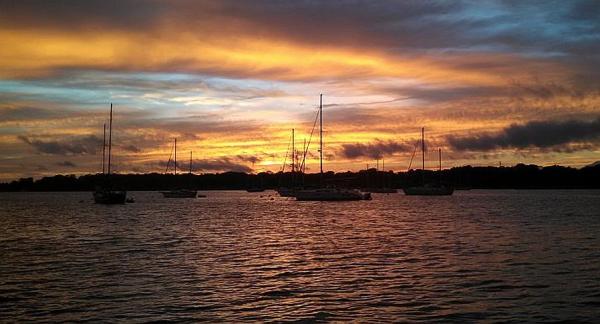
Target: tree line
x: 520, y: 176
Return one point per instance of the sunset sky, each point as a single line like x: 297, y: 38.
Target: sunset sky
x: 491, y: 81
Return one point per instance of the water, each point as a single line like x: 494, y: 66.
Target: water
x: 237, y: 256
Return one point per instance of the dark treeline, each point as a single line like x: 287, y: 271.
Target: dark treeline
x: 520, y: 176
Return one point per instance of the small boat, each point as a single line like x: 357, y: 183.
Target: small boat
x: 328, y: 193
x: 331, y: 194
x: 109, y: 197
x: 380, y: 190
x: 428, y: 189
x: 104, y: 194
x: 179, y: 193
x: 287, y: 192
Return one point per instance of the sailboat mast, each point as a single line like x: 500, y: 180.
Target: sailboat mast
x: 423, y: 153
x: 175, y: 155
x: 293, y: 153
x: 423, y: 146
x: 103, y: 148
x: 440, y: 156
x: 110, y: 137
x: 190, y: 162
x: 303, y: 167
x: 383, y: 169
x: 321, y: 134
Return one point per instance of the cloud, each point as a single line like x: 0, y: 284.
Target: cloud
x: 28, y: 113
x: 222, y: 164
x: 75, y: 146
x: 249, y: 158
x: 374, y: 150
x: 67, y: 164
x: 72, y: 13
x: 131, y: 148
x: 220, y: 75
x: 535, y: 134
x: 214, y: 165
x: 269, y: 39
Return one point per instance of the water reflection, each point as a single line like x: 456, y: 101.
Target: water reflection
x: 477, y: 255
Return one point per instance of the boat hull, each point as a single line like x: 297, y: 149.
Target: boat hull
x: 180, y: 194
x: 287, y: 192
x: 380, y: 190
x: 109, y: 197
x: 428, y: 191
x: 331, y: 195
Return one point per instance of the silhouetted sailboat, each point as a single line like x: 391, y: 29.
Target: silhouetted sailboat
x: 381, y: 183
x: 179, y: 193
x: 328, y: 193
x: 428, y: 189
x: 253, y: 186
x: 290, y: 191
x: 104, y: 193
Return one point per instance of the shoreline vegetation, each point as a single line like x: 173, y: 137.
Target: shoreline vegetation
x: 520, y: 176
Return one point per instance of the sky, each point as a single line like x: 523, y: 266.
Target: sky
x: 491, y: 81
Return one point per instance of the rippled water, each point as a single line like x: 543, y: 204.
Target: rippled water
x: 237, y: 256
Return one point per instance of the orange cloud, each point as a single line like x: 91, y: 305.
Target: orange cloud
x: 32, y: 53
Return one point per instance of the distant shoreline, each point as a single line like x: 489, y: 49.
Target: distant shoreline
x: 274, y: 189
x: 520, y: 176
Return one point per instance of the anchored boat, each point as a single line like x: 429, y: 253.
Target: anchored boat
x: 428, y: 189
x: 179, y: 193
x: 104, y: 194
x: 328, y: 193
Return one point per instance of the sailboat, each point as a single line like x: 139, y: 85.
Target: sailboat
x: 381, y: 185
x: 180, y: 193
x: 253, y: 187
x: 428, y: 189
x: 328, y: 193
x: 291, y: 190
x: 104, y: 194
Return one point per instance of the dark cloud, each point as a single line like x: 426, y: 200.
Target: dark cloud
x: 374, y: 150
x: 306, y: 21
x: 563, y: 32
x: 212, y: 165
x: 67, y: 164
x: 393, y: 25
x: 550, y: 90
x: 222, y: 164
x: 537, y: 134
x: 131, y: 148
x: 28, y: 113
x: 73, y: 13
x: 249, y: 158
x: 75, y: 146
x: 446, y: 93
